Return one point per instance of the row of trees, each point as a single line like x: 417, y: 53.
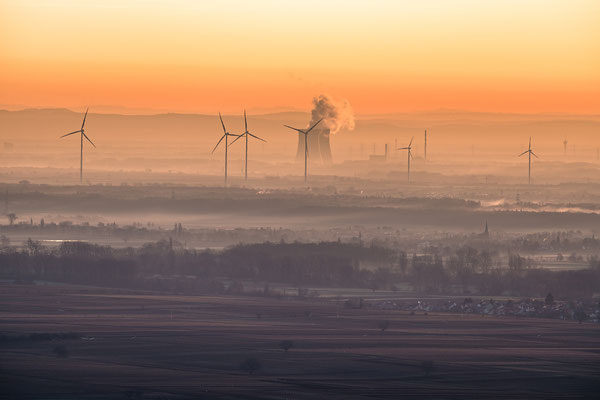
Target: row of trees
x: 151, y: 232
x: 566, y: 242
x: 164, y: 265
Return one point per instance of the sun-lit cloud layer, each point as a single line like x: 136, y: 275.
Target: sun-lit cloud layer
x: 383, y: 56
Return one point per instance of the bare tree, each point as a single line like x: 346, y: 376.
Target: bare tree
x: 60, y: 351
x: 428, y: 367
x: 580, y: 315
x: 34, y: 246
x: 286, y: 345
x: 383, y: 325
x: 4, y: 241
x: 12, y: 217
x: 250, y: 365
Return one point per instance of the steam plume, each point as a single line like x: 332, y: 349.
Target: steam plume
x: 336, y: 114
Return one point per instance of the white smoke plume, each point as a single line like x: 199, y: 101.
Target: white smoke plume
x: 336, y: 114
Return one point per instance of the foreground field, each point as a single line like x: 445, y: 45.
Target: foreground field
x: 140, y: 345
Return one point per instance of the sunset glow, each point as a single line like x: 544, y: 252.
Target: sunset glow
x: 186, y: 56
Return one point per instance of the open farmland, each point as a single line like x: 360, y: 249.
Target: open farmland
x: 132, y: 344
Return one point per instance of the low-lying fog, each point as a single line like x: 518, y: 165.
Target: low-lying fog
x: 151, y: 173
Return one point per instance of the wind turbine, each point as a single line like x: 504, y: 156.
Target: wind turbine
x: 82, y: 131
x: 246, y: 134
x: 409, y: 155
x: 425, y: 148
x: 305, y: 132
x: 226, y: 136
x: 530, y: 152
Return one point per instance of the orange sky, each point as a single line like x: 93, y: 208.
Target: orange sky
x: 383, y: 56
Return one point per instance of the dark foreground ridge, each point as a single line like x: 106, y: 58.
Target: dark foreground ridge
x: 136, y: 345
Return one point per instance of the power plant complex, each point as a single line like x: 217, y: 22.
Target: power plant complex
x: 319, y: 147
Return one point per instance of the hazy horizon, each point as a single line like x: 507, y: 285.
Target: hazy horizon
x: 124, y: 110
x: 300, y: 199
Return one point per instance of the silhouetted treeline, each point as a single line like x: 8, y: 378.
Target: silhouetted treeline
x: 167, y: 266
x: 563, y: 244
x: 205, y: 237
x: 559, y: 242
x: 72, y: 262
x: 181, y: 199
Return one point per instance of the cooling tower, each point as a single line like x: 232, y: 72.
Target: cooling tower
x: 319, y: 149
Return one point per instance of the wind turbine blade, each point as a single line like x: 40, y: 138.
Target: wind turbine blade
x: 217, y: 145
x: 295, y: 129
x: 256, y: 137
x: 411, y: 141
x: 312, y: 127
x: 245, y: 122
x: 84, y: 117
x: 534, y: 154
x: 410, y: 154
x: 236, y: 139
x: 403, y: 148
x: 525, y: 152
x: 529, y: 142
x: 88, y: 139
x: 69, y: 134
x: 222, y: 124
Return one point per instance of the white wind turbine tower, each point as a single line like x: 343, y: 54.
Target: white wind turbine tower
x: 82, y: 132
x: 226, y: 136
x: 529, y: 152
x: 409, y: 155
x: 305, y: 132
x: 246, y: 134
x: 425, y: 147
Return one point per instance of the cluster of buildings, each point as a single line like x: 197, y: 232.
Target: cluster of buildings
x: 582, y: 311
